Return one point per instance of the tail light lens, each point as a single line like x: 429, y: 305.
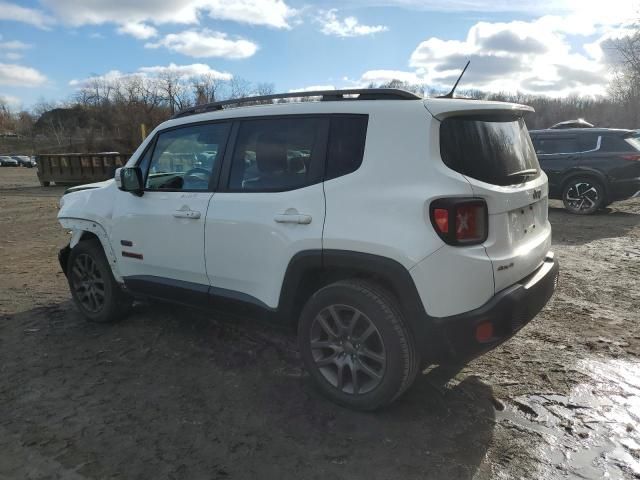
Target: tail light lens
x: 460, y: 221
x: 631, y: 157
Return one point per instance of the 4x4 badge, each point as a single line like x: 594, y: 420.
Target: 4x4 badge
x: 537, y: 194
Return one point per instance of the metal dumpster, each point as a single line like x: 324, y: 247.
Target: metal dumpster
x: 78, y: 168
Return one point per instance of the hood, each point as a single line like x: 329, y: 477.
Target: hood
x: 89, y: 186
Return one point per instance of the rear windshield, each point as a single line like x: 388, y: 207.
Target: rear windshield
x: 493, y: 149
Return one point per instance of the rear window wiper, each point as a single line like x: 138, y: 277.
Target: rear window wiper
x: 524, y: 173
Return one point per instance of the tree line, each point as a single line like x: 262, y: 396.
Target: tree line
x: 106, y: 114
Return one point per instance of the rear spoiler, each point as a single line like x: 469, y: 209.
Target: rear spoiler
x: 442, y: 108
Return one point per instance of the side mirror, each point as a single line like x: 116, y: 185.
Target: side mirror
x: 129, y: 179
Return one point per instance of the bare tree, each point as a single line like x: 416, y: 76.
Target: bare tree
x: 207, y: 88
x: 240, y: 88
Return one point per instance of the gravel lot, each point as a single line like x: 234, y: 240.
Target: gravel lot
x: 175, y: 393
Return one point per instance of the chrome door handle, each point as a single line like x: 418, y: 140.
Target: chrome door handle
x: 186, y: 214
x: 293, y: 218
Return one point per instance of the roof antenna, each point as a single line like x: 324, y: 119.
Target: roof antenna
x: 450, y: 94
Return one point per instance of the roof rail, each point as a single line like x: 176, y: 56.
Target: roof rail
x: 326, y: 95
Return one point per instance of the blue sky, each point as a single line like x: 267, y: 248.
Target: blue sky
x: 49, y: 48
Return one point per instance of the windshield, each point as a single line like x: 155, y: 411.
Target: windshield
x: 493, y: 149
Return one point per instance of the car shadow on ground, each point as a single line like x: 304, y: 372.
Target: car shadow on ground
x: 177, y: 393
x: 570, y: 229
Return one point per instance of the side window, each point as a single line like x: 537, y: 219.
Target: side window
x: 588, y: 142
x: 277, y: 154
x: 614, y: 143
x: 556, y: 145
x: 186, y: 158
x: 347, y: 136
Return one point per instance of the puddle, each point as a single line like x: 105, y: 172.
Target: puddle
x: 592, y: 433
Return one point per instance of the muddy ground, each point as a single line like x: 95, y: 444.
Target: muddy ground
x: 180, y: 394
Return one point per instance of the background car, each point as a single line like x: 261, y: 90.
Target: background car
x: 588, y: 168
x: 24, y: 160
x: 6, y: 161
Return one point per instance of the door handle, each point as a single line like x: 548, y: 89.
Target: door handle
x: 298, y: 218
x: 186, y: 214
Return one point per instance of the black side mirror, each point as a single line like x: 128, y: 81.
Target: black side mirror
x: 131, y: 180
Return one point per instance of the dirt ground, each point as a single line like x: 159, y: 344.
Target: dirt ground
x: 180, y: 394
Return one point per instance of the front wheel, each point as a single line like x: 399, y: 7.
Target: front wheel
x: 93, y: 288
x: 356, y: 345
x: 583, y: 196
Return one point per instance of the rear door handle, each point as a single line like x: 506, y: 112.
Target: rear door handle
x: 298, y: 218
x: 186, y: 214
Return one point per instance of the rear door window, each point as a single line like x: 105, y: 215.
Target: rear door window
x: 557, y: 145
x: 278, y: 154
x: 493, y: 149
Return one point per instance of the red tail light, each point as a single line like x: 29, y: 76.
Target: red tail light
x: 631, y: 157
x: 460, y: 221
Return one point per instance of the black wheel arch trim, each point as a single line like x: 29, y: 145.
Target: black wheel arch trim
x: 311, y: 269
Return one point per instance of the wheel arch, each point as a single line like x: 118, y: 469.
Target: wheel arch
x: 311, y: 270
x: 82, y: 230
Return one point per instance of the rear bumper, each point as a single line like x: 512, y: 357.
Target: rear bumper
x: 499, y: 319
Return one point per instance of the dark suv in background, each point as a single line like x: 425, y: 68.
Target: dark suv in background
x: 588, y: 168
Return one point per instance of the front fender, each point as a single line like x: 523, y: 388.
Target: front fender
x: 78, y: 229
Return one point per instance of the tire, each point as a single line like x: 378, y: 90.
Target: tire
x: 93, y: 288
x: 372, y: 340
x: 583, y: 195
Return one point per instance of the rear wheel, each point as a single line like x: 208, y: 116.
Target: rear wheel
x: 93, y: 288
x: 356, y: 346
x: 583, y: 195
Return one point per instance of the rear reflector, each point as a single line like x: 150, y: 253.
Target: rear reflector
x: 484, y: 332
x: 631, y: 157
x: 460, y: 221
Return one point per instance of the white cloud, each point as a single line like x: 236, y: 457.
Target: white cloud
x: 20, y: 76
x: 185, y: 72
x: 272, y: 13
x: 31, y: 16
x: 205, y: 44
x: 138, y: 30
x: 347, y: 27
x: 13, y: 56
x: 534, y: 57
x: 13, y: 45
x: 313, y: 88
x: 10, y: 101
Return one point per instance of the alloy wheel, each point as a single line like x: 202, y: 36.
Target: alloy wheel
x: 88, y: 284
x: 582, y: 196
x: 348, y: 349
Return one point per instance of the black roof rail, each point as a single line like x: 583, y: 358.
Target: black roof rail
x: 326, y: 95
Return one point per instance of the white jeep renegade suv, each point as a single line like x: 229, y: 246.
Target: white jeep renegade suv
x: 392, y: 231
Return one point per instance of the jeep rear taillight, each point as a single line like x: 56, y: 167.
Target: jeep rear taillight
x: 631, y: 157
x: 460, y: 221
